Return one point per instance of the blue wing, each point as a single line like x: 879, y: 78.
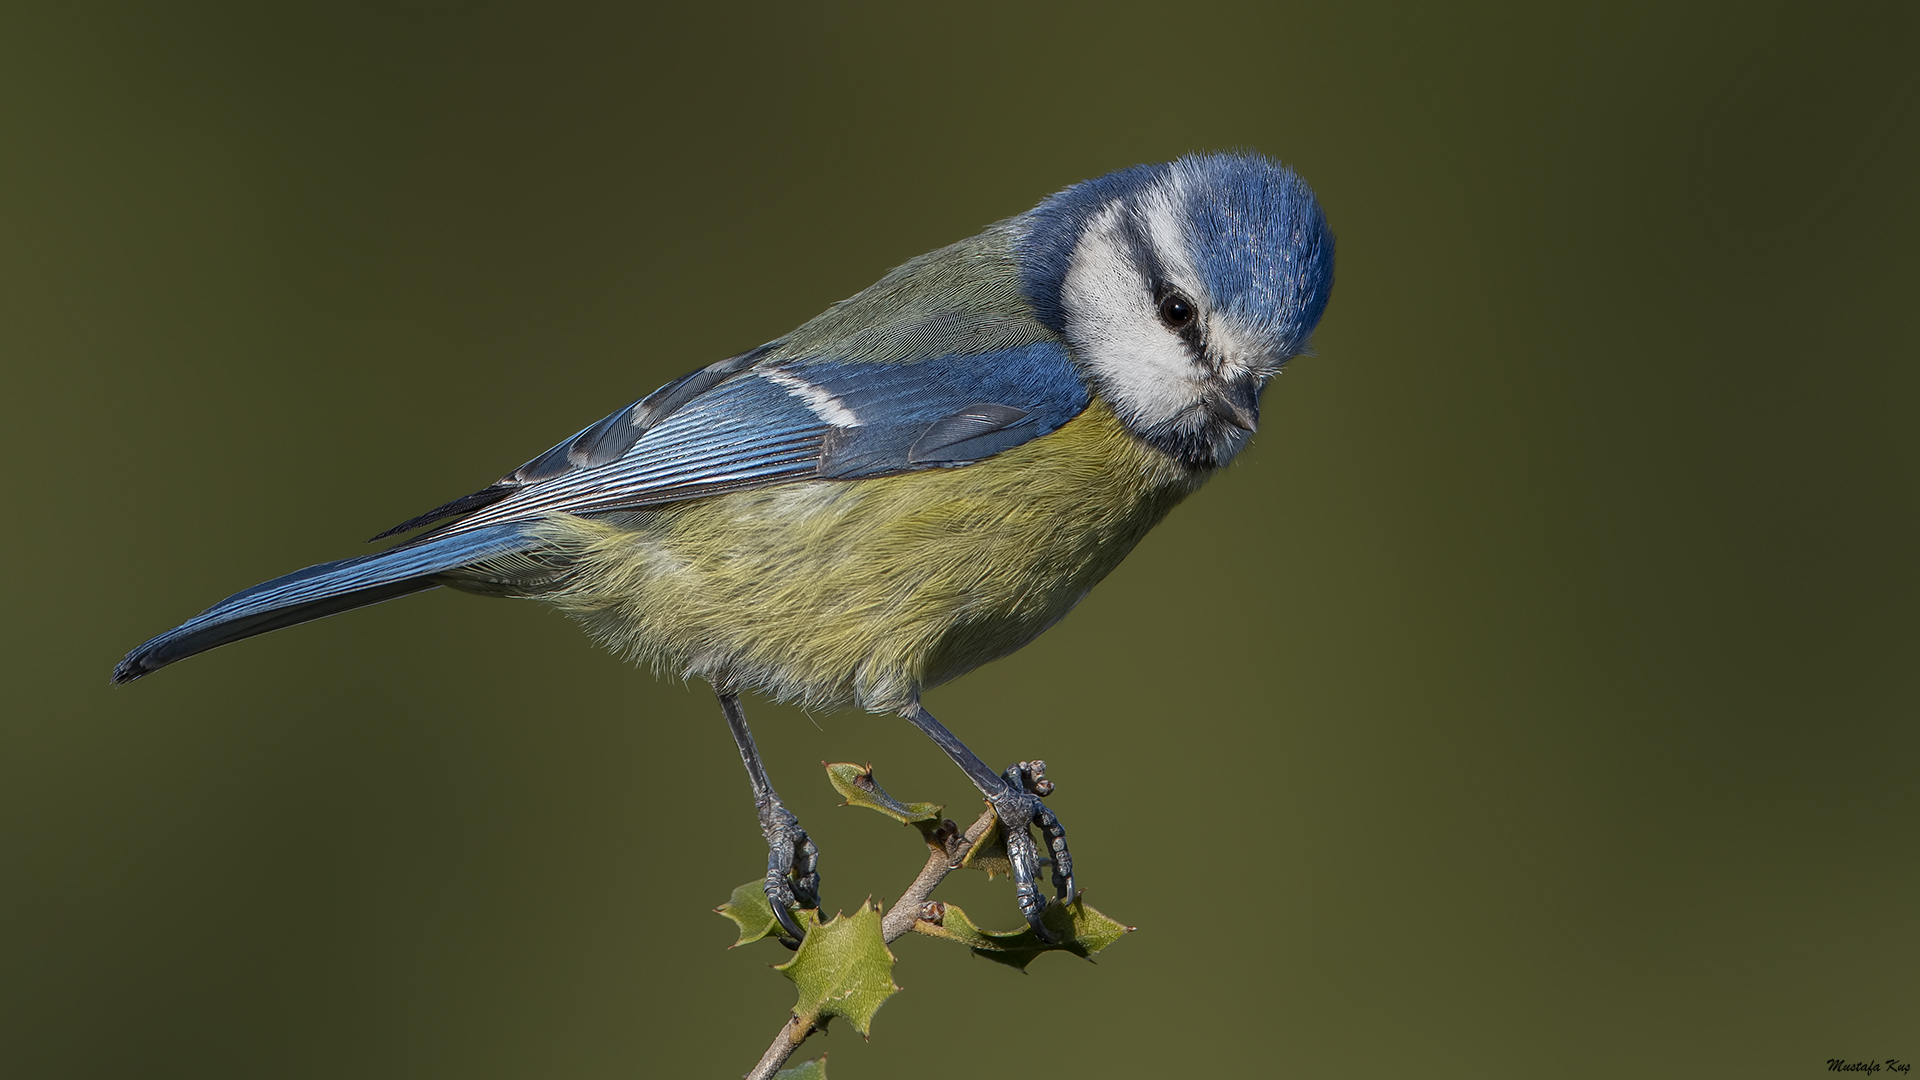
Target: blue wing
x: 742, y: 423
x: 747, y: 422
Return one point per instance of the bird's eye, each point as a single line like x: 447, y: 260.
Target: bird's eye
x: 1176, y: 310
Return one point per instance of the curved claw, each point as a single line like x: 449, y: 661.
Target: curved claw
x: 1018, y: 809
x: 793, y: 874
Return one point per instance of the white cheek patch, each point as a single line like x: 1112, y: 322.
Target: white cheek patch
x: 829, y: 409
x: 1146, y: 370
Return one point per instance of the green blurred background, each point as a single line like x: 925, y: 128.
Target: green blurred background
x: 1536, y: 696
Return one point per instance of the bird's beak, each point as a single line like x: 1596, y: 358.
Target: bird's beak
x: 1237, y: 403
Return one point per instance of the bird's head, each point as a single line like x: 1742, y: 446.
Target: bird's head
x: 1181, y: 289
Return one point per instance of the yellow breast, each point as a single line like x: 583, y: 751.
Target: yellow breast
x: 833, y: 593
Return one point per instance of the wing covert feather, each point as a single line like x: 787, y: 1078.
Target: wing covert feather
x: 749, y: 425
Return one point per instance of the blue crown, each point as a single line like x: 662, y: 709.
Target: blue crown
x: 1259, y: 237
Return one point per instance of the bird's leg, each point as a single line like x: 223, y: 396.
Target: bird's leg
x: 793, y: 863
x: 1015, y: 797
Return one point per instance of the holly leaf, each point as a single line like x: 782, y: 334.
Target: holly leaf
x: 855, y: 783
x: 1079, y: 929
x: 749, y: 910
x: 989, y: 853
x: 843, y: 968
x: 810, y: 1070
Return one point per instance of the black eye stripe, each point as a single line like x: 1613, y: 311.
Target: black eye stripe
x: 1165, y: 296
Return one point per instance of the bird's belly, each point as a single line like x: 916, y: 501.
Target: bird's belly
x: 834, y: 593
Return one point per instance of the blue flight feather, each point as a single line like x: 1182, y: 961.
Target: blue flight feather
x: 319, y: 591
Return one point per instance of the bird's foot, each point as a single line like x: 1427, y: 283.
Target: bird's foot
x: 1019, y: 808
x: 793, y: 868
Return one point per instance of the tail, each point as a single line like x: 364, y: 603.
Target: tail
x: 319, y: 591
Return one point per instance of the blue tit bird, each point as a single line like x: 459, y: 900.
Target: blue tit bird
x: 921, y: 479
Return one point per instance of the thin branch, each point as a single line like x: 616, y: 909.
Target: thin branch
x: 784, y: 1044
x: 942, y: 860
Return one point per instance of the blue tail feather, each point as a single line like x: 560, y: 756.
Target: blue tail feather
x: 319, y: 591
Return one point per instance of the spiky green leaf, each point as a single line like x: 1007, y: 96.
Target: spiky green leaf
x: 989, y: 853
x: 1079, y: 930
x: 749, y: 910
x: 843, y: 968
x: 856, y: 784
